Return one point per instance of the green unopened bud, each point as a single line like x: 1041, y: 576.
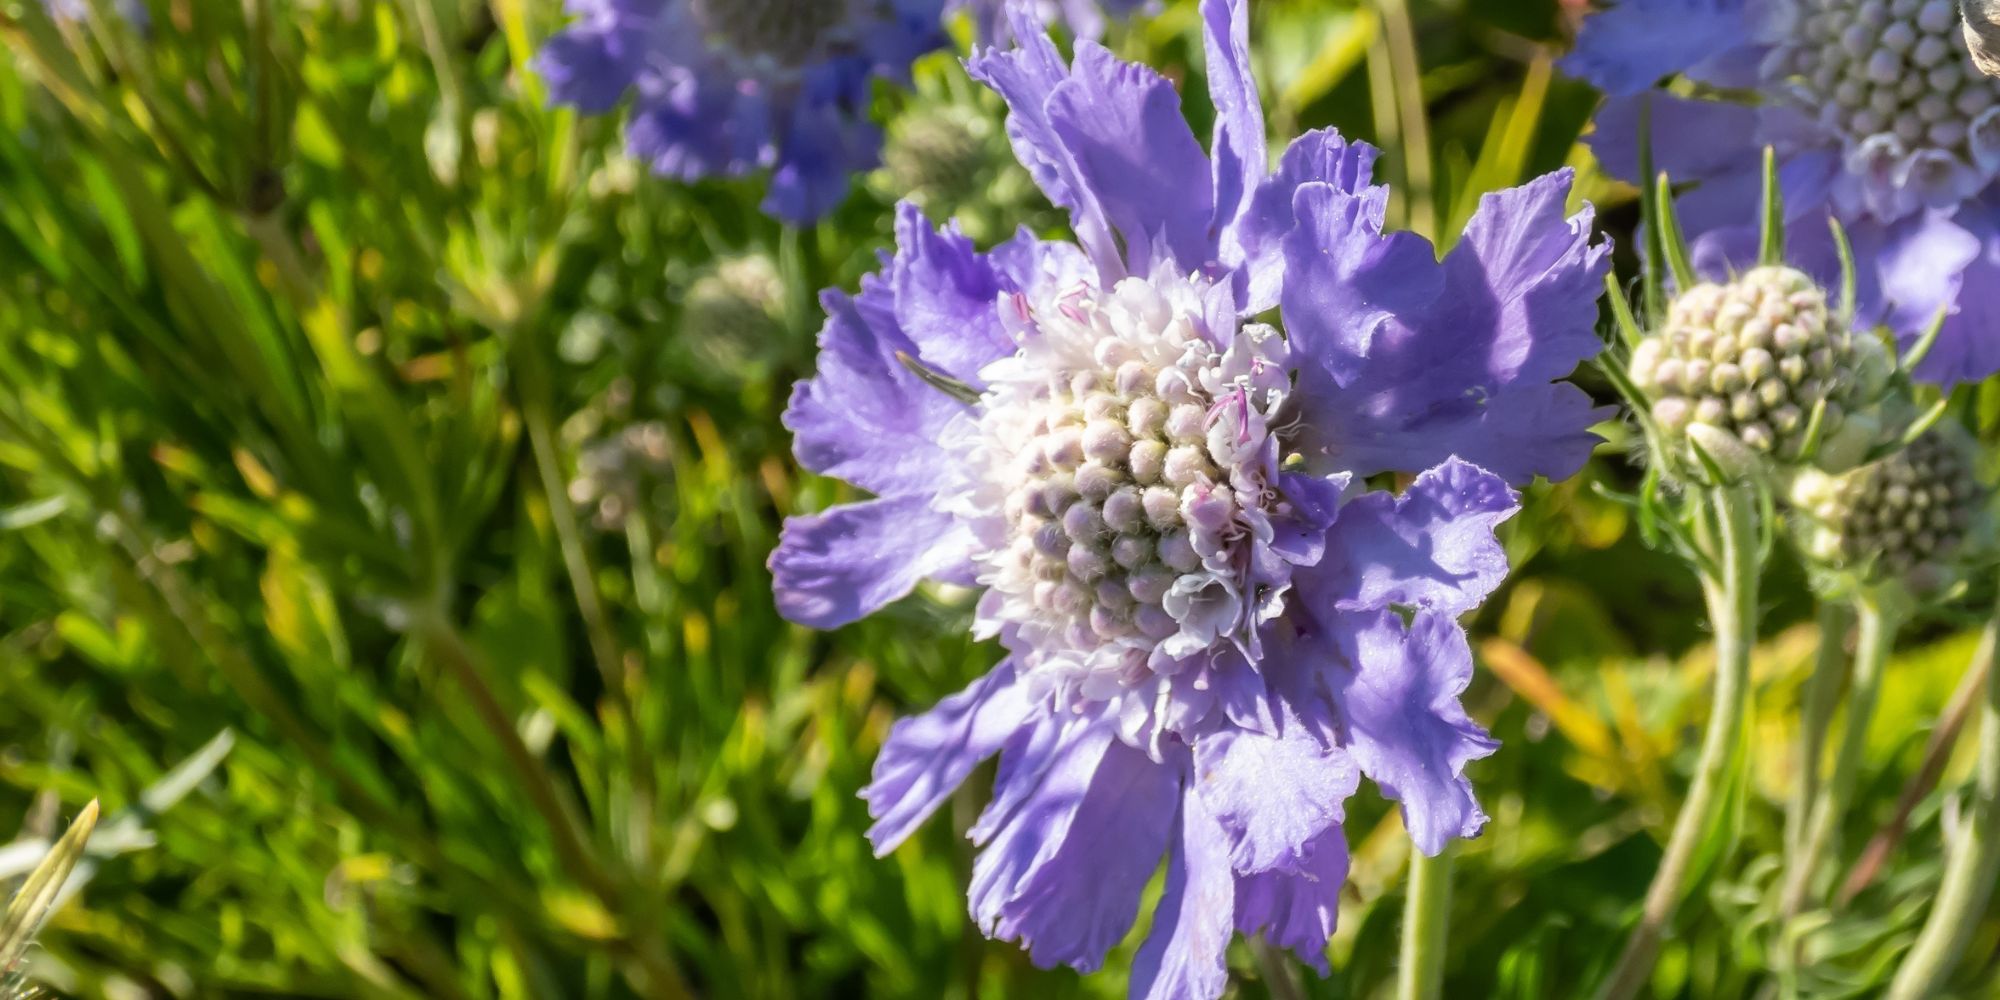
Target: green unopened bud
x: 741, y: 301
x: 942, y: 155
x: 1909, y: 518
x: 1741, y: 367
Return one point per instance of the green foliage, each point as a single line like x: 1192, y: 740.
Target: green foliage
x: 323, y: 339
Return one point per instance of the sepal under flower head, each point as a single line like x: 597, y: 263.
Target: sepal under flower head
x: 1742, y: 366
x: 1911, y: 518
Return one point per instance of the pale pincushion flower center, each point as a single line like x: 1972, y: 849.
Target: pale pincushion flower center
x: 1895, y: 80
x: 1131, y: 459
x: 786, y: 34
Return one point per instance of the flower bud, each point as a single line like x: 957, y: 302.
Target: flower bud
x: 1909, y: 518
x: 1749, y: 360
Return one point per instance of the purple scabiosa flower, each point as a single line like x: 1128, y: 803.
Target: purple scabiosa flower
x: 727, y: 87
x: 1213, y: 628
x: 1086, y: 18
x: 133, y: 11
x: 1879, y: 119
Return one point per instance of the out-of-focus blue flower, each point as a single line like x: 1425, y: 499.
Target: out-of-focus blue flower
x: 727, y: 87
x: 133, y: 11
x: 1213, y: 628
x: 1085, y: 18
x: 1878, y: 117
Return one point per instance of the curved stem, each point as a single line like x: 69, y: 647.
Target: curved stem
x: 1817, y: 702
x: 1426, y: 921
x: 1731, y: 593
x: 1878, y: 637
x: 1971, y: 870
x: 1277, y: 971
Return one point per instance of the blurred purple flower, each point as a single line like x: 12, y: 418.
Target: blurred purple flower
x: 727, y: 87
x: 133, y: 11
x: 1213, y: 628
x: 1086, y: 18
x: 1879, y: 120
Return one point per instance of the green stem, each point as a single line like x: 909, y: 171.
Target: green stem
x: 1971, y: 870
x: 1878, y: 636
x: 1818, y: 700
x: 1426, y: 921
x: 1731, y: 593
x: 1276, y: 968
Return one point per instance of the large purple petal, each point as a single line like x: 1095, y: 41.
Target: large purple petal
x: 1968, y: 348
x: 1273, y: 794
x: 1636, y: 42
x: 945, y: 291
x: 927, y: 756
x: 1398, y: 691
x: 1928, y: 262
x: 1296, y: 909
x: 1122, y: 127
x: 1026, y: 76
x: 1071, y: 909
x: 1239, y: 144
x: 865, y: 417
x: 1405, y: 362
x: 1728, y: 132
x: 840, y: 566
x: 1317, y: 157
x: 1433, y: 547
x: 1045, y: 772
x: 1185, y: 956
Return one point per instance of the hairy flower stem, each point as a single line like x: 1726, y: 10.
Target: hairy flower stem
x: 1276, y: 969
x: 1730, y: 587
x: 1878, y: 637
x: 1426, y: 921
x: 1971, y: 870
x: 1818, y: 700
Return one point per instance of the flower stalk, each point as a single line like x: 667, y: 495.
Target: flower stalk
x: 1817, y: 703
x: 1878, y: 623
x: 1729, y: 585
x: 1971, y: 869
x: 1426, y: 927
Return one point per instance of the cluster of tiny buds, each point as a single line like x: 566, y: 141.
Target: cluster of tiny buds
x: 739, y: 301
x: 615, y: 474
x: 941, y: 154
x: 1129, y: 457
x: 1119, y: 488
x: 1747, y: 361
x: 772, y: 35
x: 1908, y: 517
x: 1894, y: 79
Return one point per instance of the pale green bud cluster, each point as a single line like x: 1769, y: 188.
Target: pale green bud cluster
x: 740, y: 301
x: 942, y: 155
x: 1906, y: 518
x: 1740, y: 367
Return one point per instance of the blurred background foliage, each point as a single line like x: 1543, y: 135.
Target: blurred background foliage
x: 388, y: 465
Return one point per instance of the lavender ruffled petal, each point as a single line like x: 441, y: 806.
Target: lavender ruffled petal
x: 1432, y: 547
x: 1296, y: 909
x: 839, y: 566
x: 1185, y: 956
x: 927, y: 756
x: 1408, y: 362
x: 1398, y: 690
x: 1634, y: 43
x: 1275, y: 795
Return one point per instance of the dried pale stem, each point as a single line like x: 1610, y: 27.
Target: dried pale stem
x: 1731, y: 593
x: 1971, y: 870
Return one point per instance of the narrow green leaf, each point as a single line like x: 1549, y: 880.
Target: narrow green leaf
x: 1771, y: 248
x: 1672, y: 243
x: 1922, y: 348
